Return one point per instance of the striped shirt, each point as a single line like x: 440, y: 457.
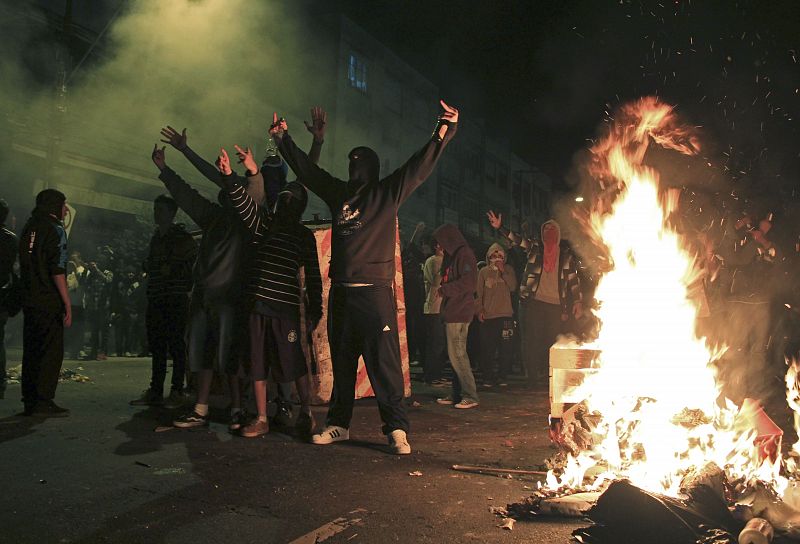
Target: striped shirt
x: 280, y: 250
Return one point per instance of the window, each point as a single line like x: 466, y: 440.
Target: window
x: 357, y: 72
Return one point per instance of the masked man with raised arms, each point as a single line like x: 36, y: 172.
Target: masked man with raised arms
x: 362, y: 314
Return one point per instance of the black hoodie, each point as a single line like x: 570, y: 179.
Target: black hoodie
x: 365, y: 209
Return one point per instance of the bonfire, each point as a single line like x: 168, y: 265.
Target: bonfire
x: 647, y: 407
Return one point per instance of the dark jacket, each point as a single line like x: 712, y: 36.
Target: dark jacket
x: 459, y: 275
x: 169, y: 263
x: 42, y: 255
x: 569, y: 283
x: 364, y: 222
x: 219, y: 267
x: 9, y: 249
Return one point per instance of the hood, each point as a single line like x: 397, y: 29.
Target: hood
x: 274, y: 171
x: 496, y: 247
x: 554, y: 223
x: 291, y: 202
x: 365, y: 166
x: 449, y: 237
x: 49, y: 202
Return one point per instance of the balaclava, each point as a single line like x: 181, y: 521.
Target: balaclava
x: 274, y: 170
x: 551, y: 238
x: 365, y: 166
x: 291, y: 203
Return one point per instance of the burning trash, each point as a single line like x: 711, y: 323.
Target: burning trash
x: 651, y: 449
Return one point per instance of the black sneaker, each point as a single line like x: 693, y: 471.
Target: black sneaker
x: 48, y: 408
x: 283, y: 417
x: 190, y: 420
x: 238, y: 420
x: 304, y: 426
x: 149, y: 398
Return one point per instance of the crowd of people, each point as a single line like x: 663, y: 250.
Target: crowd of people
x: 233, y: 302
x: 230, y: 299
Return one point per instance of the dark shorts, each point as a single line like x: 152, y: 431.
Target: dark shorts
x: 275, y: 344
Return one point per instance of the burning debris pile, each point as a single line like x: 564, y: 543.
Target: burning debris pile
x: 648, y: 439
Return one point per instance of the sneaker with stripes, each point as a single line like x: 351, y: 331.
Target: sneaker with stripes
x: 331, y: 434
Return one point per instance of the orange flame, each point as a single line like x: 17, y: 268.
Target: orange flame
x: 655, y: 392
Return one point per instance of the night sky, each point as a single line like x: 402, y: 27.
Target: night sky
x: 548, y: 73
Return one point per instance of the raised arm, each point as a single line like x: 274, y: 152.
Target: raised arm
x: 254, y: 217
x: 178, y: 140
x: 327, y: 187
x: 403, y: 181
x: 197, y: 207
x: 496, y: 221
x: 317, y: 126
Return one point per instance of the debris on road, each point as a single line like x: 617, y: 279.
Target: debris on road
x: 141, y: 464
x: 415, y: 473
x: 14, y: 375
x: 496, y: 471
x: 508, y: 524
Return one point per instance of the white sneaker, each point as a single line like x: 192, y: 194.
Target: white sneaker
x: 398, y: 442
x: 465, y: 404
x: 331, y: 434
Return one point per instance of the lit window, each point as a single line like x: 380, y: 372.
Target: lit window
x: 357, y: 72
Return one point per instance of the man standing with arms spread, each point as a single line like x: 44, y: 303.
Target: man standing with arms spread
x: 45, y: 303
x: 169, y: 281
x: 362, y: 311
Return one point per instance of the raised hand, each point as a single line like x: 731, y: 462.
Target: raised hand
x: 495, y: 220
x: 174, y: 138
x: 450, y: 114
x: 319, y: 120
x: 158, y: 156
x: 246, y: 158
x: 223, y: 163
x: 278, y: 126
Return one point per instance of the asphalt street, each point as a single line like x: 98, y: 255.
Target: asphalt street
x: 104, y: 474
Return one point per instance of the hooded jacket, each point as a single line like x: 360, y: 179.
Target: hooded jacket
x: 495, y: 287
x: 218, y: 270
x: 569, y: 284
x: 364, y: 210
x: 459, y: 275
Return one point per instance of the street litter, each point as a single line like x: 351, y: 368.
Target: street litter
x: 14, y: 375
x: 141, y: 464
x: 508, y: 524
x: 172, y: 470
x: 415, y: 473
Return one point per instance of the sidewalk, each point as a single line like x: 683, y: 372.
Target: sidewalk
x: 104, y: 475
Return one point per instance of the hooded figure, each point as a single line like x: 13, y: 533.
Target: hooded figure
x: 496, y: 282
x: 281, y: 245
x: 274, y: 171
x: 549, y: 292
x: 362, y: 316
x: 459, y: 275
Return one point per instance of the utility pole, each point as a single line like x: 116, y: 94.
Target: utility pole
x: 58, y: 111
